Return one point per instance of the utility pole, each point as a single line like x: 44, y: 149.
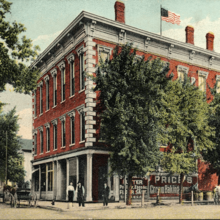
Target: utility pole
x: 6, y: 162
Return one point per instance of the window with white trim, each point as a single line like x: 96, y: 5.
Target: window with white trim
x: 71, y: 62
x: 35, y: 142
x: 72, y: 126
x: 35, y: 104
x: 104, y: 53
x: 46, y: 79
x: 41, y: 97
x: 81, y: 112
x: 63, y: 128
x: 202, y: 80
x: 82, y: 66
x: 182, y: 72
x: 62, y: 68
x: 47, y: 125
x: 218, y: 83
x: 54, y: 75
x: 54, y: 122
x: 41, y: 140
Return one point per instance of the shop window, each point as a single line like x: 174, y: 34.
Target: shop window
x: 36, y: 180
x: 50, y: 177
x: 43, y: 177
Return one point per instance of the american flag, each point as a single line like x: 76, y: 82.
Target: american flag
x: 169, y: 16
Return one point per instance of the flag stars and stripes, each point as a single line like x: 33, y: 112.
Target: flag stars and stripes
x: 171, y: 18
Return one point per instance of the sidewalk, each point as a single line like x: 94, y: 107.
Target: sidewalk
x: 62, y: 206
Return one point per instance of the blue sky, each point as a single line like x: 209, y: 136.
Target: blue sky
x: 45, y: 19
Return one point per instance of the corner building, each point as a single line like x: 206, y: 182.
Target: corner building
x: 66, y: 143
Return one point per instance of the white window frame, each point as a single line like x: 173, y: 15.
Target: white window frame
x: 81, y: 112
x: 54, y: 123
x: 35, y: 141
x: 41, y: 131
x: 182, y: 69
x: 41, y: 97
x: 63, y: 130
x: 81, y: 56
x: 204, y: 75
x: 72, y: 126
x: 217, y: 81
x: 54, y: 75
x: 104, y: 49
x: 35, y: 103
x: 71, y: 62
x: 47, y: 126
x: 62, y: 67
x: 46, y: 79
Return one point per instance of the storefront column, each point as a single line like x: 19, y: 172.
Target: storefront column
x: 58, y: 180
x: 54, y: 179
x: 77, y: 170
x: 46, y: 180
x: 89, y: 178
x: 116, y: 186
x: 39, y: 181
x: 67, y: 175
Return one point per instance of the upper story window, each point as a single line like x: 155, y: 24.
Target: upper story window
x: 72, y: 126
x: 182, y: 72
x: 47, y: 125
x: 54, y: 122
x: 80, y: 109
x: 54, y: 75
x: 35, y: 142
x: 35, y: 104
x: 104, y: 53
x: 63, y: 79
x: 63, y: 128
x: 46, y: 79
x: 41, y: 139
x: 71, y: 62
x: 41, y: 97
x: 202, y: 80
x: 218, y: 83
x: 82, y: 67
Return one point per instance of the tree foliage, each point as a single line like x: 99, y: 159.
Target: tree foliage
x: 14, y: 51
x: 188, y: 130
x: 8, y: 134
x: 213, y: 155
x: 131, y: 90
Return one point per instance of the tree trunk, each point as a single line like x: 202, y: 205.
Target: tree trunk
x: 129, y: 197
x: 181, y: 188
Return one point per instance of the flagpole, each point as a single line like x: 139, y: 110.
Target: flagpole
x: 160, y: 22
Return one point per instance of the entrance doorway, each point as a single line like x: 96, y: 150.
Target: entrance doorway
x: 103, y: 175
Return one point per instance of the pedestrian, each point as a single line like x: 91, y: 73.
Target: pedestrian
x: 105, y: 194
x: 80, y: 194
x: 216, y: 196
x: 70, y: 193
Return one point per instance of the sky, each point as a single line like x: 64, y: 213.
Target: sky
x: 45, y: 20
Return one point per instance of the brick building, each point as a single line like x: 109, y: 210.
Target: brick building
x: 65, y: 132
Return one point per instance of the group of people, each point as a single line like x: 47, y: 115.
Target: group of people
x: 80, y: 192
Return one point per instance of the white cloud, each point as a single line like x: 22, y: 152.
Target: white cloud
x: 25, y: 123
x: 201, y: 28
x: 45, y: 40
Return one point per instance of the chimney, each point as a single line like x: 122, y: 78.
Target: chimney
x: 119, y: 11
x: 210, y: 41
x: 189, y: 34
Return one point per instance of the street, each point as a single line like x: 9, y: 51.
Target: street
x: 158, y: 212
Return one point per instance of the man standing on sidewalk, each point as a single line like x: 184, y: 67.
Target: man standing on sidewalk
x: 70, y: 193
x: 105, y: 194
x: 80, y: 194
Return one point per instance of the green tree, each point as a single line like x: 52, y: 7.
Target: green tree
x: 14, y: 51
x: 213, y: 155
x: 131, y: 90
x: 187, y: 117
x: 8, y: 135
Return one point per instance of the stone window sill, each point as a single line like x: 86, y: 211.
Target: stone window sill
x: 47, y: 152
x: 81, y: 90
x: 82, y: 142
x: 71, y: 145
x: 40, y: 114
x: 41, y: 153
x: 63, y: 101
x: 72, y: 96
x: 55, y: 150
x: 63, y: 147
x: 47, y: 110
x: 54, y: 106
